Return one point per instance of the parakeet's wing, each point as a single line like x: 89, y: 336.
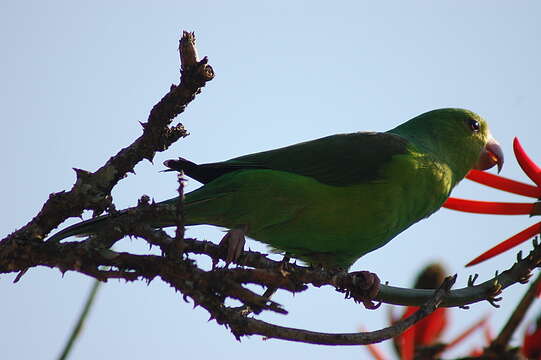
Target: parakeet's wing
x: 337, y: 160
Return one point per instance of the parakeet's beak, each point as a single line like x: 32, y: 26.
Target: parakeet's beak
x: 491, y: 155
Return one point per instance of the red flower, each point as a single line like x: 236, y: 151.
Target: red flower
x: 505, y: 208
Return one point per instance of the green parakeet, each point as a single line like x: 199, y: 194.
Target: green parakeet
x: 331, y: 200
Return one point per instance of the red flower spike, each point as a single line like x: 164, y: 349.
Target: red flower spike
x: 501, y: 183
x: 488, y: 207
x: 508, y: 244
x: 501, y: 208
x: 528, y: 166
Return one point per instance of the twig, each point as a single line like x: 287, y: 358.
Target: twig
x: 80, y: 322
x: 177, y: 246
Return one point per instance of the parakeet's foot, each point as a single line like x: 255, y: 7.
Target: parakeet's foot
x: 365, y: 286
x: 233, y: 241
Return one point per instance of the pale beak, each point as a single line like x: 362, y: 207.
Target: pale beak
x: 491, y: 155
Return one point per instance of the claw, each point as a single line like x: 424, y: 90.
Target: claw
x: 234, y: 241
x: 364, y: 287
x: 494, y: 302
x: 493, y: 292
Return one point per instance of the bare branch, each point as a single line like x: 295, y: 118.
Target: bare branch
x: 241, y: 326
x: 210, y: 288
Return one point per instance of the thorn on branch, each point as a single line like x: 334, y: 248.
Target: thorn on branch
x: 143, y: 201
x: 81, y: 174
x: 20, y: 275
x: 472, y: 279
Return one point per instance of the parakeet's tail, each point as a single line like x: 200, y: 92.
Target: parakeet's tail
x: 202, y: 206
x: 83, y: 228
x: 87, y: 227
x: 94, y: 225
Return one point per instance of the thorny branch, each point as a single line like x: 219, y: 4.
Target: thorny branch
x: 26, y: 249
x: 92, y: 191
x: 210, y: 288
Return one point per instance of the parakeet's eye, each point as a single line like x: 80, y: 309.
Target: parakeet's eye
x: 474, y: 125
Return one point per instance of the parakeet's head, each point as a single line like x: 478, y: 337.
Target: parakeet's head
x: 459, y: 137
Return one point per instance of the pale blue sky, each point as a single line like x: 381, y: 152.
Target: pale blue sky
x: 78, y: 77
